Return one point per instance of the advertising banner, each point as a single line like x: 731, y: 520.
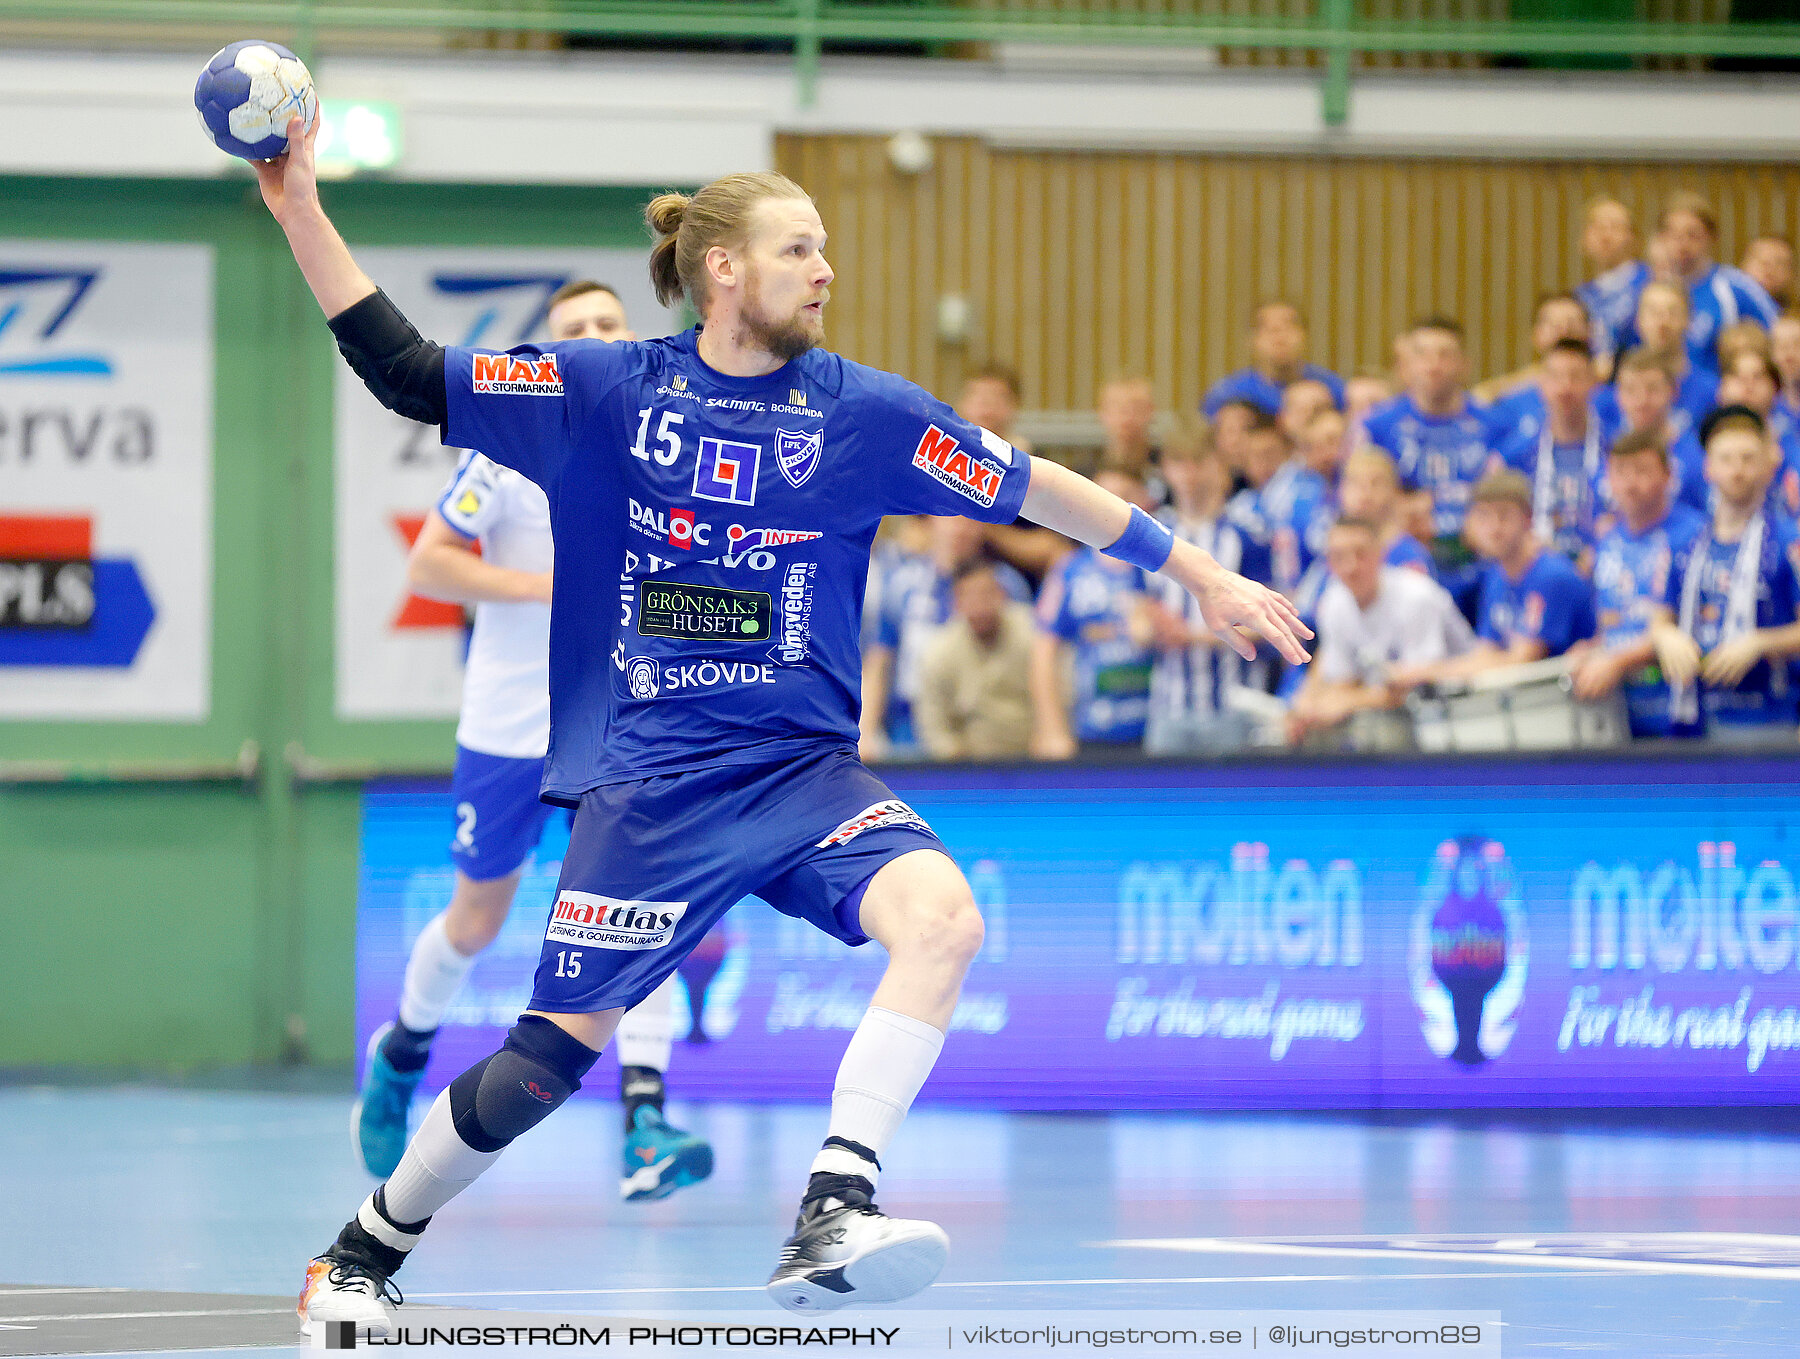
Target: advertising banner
x: 106, y: 409
x: 400, y: 656
x: 1419, y: 935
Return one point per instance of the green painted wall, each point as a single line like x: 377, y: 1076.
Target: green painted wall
x: 213, y: 924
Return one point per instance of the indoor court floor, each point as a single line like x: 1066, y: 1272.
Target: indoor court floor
x: 143, y: 1219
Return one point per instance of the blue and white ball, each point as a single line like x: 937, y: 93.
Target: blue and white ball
x: 247, y: 95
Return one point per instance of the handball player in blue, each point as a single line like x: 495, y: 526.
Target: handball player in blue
x: 713, y: 498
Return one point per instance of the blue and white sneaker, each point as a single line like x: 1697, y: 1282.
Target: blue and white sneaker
x: 378, y: 1122
x: 660, y: 1158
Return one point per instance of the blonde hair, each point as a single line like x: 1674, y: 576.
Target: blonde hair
x: 1376, y: 460
x: 1684, y: 200
x: 1190, y: 440
x: 686, y: 228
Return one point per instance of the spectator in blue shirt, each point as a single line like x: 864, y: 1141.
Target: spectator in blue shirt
x: 1718, y: 294
x: 1644, y: 550
x: 1565, y: 457
x: 1727, y: 627
x: 1276, y: 510
x: 1609, y: 240
x: 1092, y: 626
x: 1230, y: 436
x: 1751, y: 379
x: 1512, y: 397
x: 1438, y: 437
x: 1645, y: 388
x: 1784, y: 348
x: 1301, y: 403
x: 1277, y: 358
x: 1769, y: 261
x: 1533, y: 604
x: 1325, y: 444
x: 1662, y: 321
x: 1365, y: 392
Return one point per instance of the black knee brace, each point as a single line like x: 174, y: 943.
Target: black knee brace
x: 537, y: 1068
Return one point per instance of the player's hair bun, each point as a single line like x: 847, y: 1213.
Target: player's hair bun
x: 663, y: 215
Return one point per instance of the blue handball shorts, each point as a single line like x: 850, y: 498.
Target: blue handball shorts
x: 499, y: 819
x: 654, y: 863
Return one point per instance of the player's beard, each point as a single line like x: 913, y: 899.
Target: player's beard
x: 786, y: 339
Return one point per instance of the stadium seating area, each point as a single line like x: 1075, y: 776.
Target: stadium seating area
x: 1595, y: 548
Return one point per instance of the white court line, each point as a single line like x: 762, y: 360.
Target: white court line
x: 1014, y: 1283
x: 145, y: 1316
x: 6, y: 1292
x: 1201, y: 1245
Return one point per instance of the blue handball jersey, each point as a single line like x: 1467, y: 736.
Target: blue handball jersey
x: 1264, y: 392
x: 1088, y: 601
x: 1548, y: 604
x: 712, y: 537
x: 1443, y: 454
x: 1632, y: 575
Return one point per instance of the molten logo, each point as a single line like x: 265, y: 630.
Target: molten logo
x: 943, y: 458
x: 510, y: 375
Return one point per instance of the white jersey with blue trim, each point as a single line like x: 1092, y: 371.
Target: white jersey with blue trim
x: 712, y: 538
x: 506, y: 681
x: 1194, y: 680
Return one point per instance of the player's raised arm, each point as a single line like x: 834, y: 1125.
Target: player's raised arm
x: 1072, y: 505
x: 290, y: 188
x: 403, y: 370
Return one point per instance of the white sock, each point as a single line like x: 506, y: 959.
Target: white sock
x: 646, y: 1032
x: 888, y: 1059
x: 434, y: 974
x: 438, y: 1166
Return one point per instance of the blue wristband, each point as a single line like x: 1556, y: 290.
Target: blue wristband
x: 1145, y: 543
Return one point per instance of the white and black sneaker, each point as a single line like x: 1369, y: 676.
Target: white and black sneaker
x: 844, y: 1250
x: 349, y: 1286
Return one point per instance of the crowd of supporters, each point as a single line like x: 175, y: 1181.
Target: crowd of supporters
x: 1626, y: 501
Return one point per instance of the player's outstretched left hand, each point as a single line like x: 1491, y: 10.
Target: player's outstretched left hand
x: 1234, y: 606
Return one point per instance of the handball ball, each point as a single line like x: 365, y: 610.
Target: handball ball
x: 247, y: 95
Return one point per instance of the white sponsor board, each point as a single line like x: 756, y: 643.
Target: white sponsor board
x: 106, y: 401
x: 398, y: 657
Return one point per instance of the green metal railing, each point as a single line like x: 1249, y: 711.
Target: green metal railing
x: 1337, y: 30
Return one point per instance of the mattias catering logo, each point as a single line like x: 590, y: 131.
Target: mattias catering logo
x: 1469, y: 952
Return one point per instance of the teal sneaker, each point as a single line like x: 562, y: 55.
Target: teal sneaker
x: 659, y: 1158
x: 378, y: 1122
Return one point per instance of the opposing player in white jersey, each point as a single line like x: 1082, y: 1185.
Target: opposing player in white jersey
x: 501, y: 740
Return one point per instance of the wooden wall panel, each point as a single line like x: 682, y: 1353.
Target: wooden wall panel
x: 1081, y: 264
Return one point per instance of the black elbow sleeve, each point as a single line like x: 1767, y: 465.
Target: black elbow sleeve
x: 403, y: 369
